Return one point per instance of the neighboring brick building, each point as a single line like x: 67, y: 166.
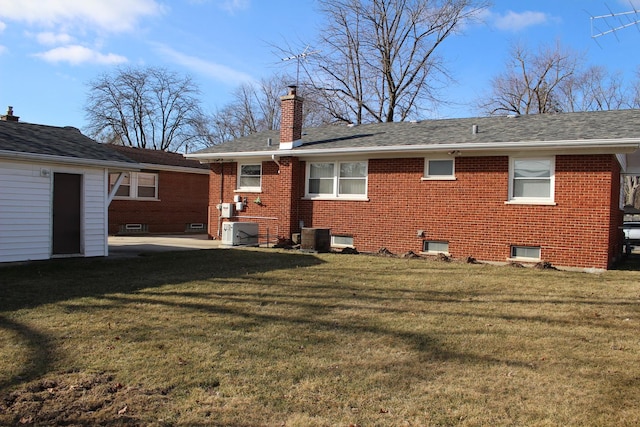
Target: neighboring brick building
x: 528, y: 189
x: 168, y: 195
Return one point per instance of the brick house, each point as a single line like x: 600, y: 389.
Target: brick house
x: 528, y: 189
x: 168, y: 195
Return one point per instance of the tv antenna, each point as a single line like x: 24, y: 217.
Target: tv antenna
x: 615, y: 21
x: 306, y: 52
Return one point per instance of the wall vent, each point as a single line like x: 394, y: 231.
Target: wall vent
x: 134, y: 228
x: 195, y: 226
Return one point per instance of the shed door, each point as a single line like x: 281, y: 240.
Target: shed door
x: 66, y: 213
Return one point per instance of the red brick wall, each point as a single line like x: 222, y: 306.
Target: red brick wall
x: 182, y: 200
x: 470, y: 213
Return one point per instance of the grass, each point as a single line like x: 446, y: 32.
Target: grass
x: 267, y: 338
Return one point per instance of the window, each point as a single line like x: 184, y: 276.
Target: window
x: 531, y: 180
x: 125, y: 185
x: 435, y: 247
x: 136, y: 185
x: 526, y: 252
x: 337, y: 179
x: 341, y: 241
x: 250, y: 177
x: 439, y: 169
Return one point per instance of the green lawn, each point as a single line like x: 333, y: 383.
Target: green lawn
x: 261, y: 337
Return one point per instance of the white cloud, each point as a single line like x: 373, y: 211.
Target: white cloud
x: 104, y: 15
x: 516, y: 21
x: 49, y: 38
x: 76, y: 54
x: 216, y: 71
x: 232, y: 6
x: 2, y: 26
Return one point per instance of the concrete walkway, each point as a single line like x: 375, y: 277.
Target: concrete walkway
x: 131, y: 246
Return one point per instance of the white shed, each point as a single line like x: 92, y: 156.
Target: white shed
x: 54, y: 194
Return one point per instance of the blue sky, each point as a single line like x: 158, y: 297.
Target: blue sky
x: 51, y: 49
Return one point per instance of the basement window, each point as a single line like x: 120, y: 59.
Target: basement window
x: 435, y: 247
x: 342, y: 241
x: 526, y: 253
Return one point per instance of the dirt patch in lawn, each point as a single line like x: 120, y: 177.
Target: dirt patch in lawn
x: 78, y: 399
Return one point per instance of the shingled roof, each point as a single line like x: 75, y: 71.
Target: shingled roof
x: 157, y: 157
x: 494, y: 131
x: 29, y: 140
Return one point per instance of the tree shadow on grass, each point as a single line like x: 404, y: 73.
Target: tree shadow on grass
x: 30, y: 285
x: 45, y: 282
x: 38, y: 348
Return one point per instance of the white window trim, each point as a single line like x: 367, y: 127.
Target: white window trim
x: 533, y: 200
x: 427, y: 177
x: 336, y: 172
x: 257, y: 189
x: 133, y: 187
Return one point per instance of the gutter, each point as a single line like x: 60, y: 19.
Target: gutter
x: 47, y: 158
x: 625, y: 145
x: 168, y: 168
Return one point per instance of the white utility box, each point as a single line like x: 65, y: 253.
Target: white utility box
x: 226, y: 210
x: 239, y: 233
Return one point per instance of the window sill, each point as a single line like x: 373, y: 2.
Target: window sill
x: 248, y: 190
x: 532, y: 260
x: 138, y: 199
x: 337, y: 199
x: 434, y: 253
x: 531, y: 202
x: 438, y: 178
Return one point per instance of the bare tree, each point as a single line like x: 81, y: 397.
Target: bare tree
x: 378, y: 59
x: 256, y: 107
x: 635, y: 91
x: 592, y: 90
x: 145, y: 107
x: 532, y: 82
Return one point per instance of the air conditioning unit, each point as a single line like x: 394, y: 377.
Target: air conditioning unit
x: 239, y: 233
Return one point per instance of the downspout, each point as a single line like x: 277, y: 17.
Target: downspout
x: 219, y: 235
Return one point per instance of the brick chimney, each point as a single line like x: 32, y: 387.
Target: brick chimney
x: 9, y: 117
x: 291, y: 121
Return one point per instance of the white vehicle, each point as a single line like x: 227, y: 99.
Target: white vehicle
x: 631, y: 231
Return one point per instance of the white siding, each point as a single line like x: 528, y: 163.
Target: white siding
x: 26, y: 193
x: 25, y: 212
x: 95, y: 221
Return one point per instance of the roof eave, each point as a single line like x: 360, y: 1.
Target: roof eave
x: 623, y: 145
x: 76, y: 161
x: 170, y: 168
